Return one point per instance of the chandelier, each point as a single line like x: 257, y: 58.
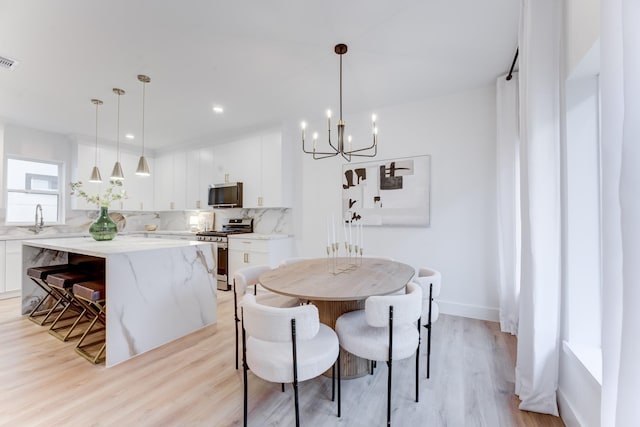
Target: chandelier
x: 348, y: 151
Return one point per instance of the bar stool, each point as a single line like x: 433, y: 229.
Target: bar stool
x: 63, y: 284
x: 93, y: 297
x: 39, y: 276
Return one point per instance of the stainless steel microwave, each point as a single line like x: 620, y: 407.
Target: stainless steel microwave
x: 228, y: 195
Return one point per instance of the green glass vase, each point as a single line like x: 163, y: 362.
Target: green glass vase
x: 103, y: 228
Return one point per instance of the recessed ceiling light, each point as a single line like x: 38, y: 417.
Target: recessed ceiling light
x: 218, y: 109
x: 130, y: 136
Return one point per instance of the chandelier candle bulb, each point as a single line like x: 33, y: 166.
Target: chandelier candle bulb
x: 328, y: 234
x: 344, y: 235
x: 333, y: 226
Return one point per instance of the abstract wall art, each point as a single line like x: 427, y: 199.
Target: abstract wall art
x: 387, y: 192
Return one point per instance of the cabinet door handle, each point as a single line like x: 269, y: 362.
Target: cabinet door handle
x: 246, y: 258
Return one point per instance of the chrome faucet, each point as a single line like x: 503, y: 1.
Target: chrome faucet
x: 39, y: 225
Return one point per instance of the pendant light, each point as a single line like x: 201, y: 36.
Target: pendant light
x: 143, y: 167
x: 95, y: 172
x: 117, y: 168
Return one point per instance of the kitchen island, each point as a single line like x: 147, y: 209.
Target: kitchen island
x: 157, y: 290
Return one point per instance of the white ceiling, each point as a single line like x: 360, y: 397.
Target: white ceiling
x: 263, y: 60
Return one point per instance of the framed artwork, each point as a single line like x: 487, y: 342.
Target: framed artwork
x: 387, y: 192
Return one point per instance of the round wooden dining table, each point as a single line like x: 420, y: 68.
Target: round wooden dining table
x: 337, y: 286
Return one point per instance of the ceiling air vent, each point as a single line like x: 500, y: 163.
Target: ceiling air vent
x: 8, y: 63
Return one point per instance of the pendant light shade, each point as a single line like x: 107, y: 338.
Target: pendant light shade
x: 95, y: 175
x: 117, y: 168
x: 116, y: 173
x: 143, y: 167
x: 95, y: 172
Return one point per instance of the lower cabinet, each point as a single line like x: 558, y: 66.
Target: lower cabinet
x: 10, y: 267
x: 248, y: 251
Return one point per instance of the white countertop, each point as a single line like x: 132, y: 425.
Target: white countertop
x: 43, y: 235
x: 121, y: 244
x: 258, y: 236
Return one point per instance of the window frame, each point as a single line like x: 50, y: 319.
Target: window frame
x: 59, y: 192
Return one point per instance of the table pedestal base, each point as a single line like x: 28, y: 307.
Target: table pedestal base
x: 329, y: 311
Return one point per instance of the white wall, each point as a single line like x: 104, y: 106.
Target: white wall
x: 458, y: 131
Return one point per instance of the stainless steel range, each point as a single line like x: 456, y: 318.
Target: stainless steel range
x: 231, y: 226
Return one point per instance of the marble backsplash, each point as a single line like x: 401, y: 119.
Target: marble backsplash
x: 265, y: 221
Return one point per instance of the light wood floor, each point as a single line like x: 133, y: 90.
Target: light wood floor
x: 193, y: 382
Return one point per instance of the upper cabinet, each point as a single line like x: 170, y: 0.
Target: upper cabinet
x: 170, y: 181
x: 139, y: 189
x: 255, y: 161
x: 180, y: 179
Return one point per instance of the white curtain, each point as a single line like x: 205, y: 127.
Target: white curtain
x: 508, y: 174
x: 539, y: 314
x: 620, y: 104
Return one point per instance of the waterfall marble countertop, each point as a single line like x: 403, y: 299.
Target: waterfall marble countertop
x: 158, y: 290
x: 121, y: 244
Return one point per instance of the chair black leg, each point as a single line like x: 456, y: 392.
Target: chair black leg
x: 244, y: 371
x: 390, y: 364
x: 235, y: 317
x: 333, y: 382
x: 295, y: 370
x: 282, y: 387
x: 429, y: 332
x: 339, y: 381
x: 418, y: 362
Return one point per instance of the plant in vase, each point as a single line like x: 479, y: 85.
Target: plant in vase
x: 102, y: 228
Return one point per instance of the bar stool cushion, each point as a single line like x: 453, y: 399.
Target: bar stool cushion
x: 67, y: 279
x: 92, y: 291
x: 43, y: 271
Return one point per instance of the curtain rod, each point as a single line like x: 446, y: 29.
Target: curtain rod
x: 513, y: 64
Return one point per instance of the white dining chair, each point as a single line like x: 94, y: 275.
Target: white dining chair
x: 248, y: 278
x: 287, y: 345
x: 430, y: 281
x: 385, y: 330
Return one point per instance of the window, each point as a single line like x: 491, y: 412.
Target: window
x: 583, y: 207
x: 31, y: 183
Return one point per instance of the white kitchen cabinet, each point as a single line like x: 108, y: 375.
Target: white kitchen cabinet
x: 13, y: 266
x: 265, y: 180
x: 198, y: 177
x: 275, y: 185
x: 192, y: 183
x: 251, y: 250
x: 2, y: 268
x: 170, y: 181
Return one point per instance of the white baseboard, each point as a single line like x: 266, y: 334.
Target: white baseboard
x: 567, y: 413
x: 467, y: 310
x: 10, y: 294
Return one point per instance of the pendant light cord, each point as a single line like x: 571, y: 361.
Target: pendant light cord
x: 95, y: 163
x: 118, y: 130
x: 143, y: 88
x: 341, y: 88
